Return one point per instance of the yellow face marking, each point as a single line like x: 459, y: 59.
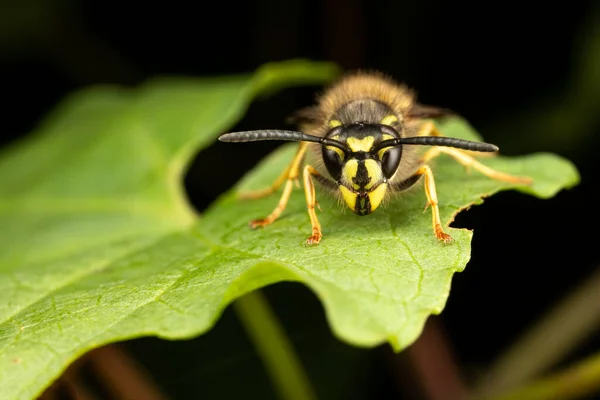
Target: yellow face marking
x: 349, y: 172
x: 338, y: 151
x: 349, y: 197
x: 390, y: 119
x: 377, y: 195
x: 374, y: 172
x: 334, y: 122
x: 360, y: 144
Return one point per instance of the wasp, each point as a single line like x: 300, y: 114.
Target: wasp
x: 363, y: 134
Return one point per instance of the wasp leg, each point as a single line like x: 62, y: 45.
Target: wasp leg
x: 311, y: 202
x: 431, y: 199
x: 469, y: 161
x: 291, y: 172
x: 290, y: 176
x: 269, y: 219
x: 465, y: 158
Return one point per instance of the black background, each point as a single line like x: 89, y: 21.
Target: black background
x: 499, y: 65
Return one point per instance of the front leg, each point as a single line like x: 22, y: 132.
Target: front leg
x: 311, y: 201
x: 432, y: 200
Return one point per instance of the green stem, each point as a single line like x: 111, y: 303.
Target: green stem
x: 575, y: 382
x: 274, y: 348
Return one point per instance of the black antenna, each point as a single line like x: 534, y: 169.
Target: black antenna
x: 291, y: 136
x: 440, y: 141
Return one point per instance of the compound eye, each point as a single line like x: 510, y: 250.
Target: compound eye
x: 390, y: 160
x: 333, y: 158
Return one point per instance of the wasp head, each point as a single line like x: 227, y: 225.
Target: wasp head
x: 361, y: 168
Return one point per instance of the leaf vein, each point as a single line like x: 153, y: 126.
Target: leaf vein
x: 95, y: 267
x: 411, y: 255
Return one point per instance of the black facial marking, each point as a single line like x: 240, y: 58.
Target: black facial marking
x: 362, y: 177
x: 363, y: 205
x: 362, y: 155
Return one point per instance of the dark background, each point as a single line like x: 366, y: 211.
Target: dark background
x: 523, y: 75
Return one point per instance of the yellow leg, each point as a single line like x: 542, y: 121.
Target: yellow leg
x: 469, y: 161
x: 291, y: 172
x: 257, y: 194
x: 465, y: 158
x: 269, y: 219
x: 289, y: 176
x: 433, y: 202
x: 311, y: 202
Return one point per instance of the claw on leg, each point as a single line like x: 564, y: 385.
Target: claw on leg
x: 443, y: 236
x: 433, y: 202
x: 315, y: 238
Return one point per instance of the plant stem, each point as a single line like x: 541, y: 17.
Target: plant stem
x: 548, y: 341
x: 574, y: 382
x: 434, y: 365
x: 122, y: 376
x: 274, y: 348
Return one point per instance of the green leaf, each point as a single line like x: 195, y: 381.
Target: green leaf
x: 100, y: 245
